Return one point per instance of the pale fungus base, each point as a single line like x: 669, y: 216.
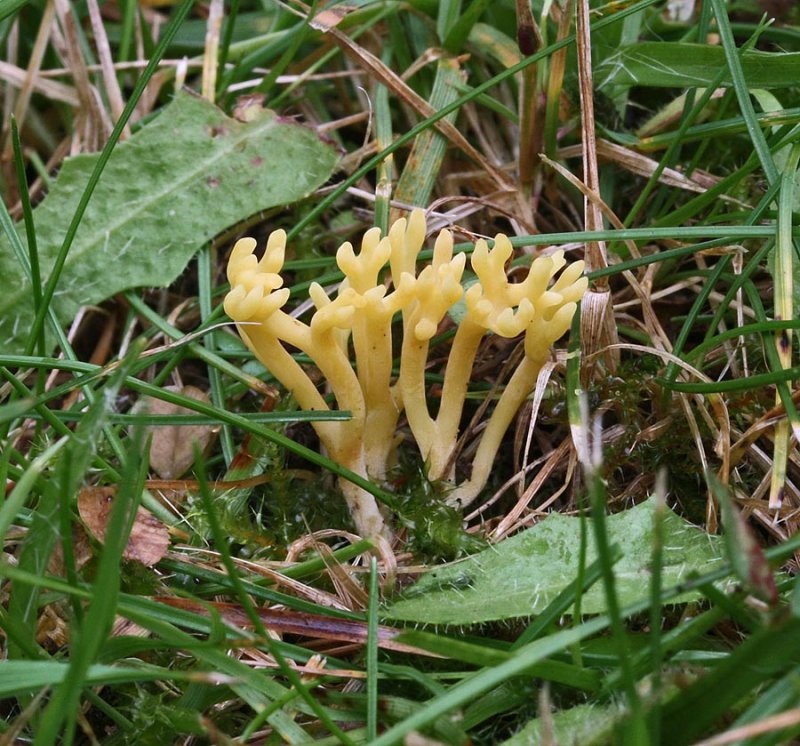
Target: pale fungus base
x: 349, y: 338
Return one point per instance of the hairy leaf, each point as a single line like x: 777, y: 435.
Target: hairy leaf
x: 587, y: 724
x: 520, y: 576
x: 173, y: 186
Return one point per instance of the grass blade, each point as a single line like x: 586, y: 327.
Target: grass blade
x: 783, y: 274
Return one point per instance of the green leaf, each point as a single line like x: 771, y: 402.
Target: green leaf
x: 10, y: 7
x: 520, y: 576
x: 682, y: 65
x: 173, y: 186
x: 766, y: 654
x: 744, y: 552
x: 18, y: 677
x: 587, y: 724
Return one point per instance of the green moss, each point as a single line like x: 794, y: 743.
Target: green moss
x: 650, y: 433
x: 435, y: 530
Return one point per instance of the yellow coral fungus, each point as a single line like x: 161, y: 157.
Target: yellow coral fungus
x: 360, y: 318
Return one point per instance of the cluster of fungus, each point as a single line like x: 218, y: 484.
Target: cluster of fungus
x: 357, y: 325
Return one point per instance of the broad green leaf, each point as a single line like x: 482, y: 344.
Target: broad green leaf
x: 605, y: 43
x: 182, y: 179
x: 520, y: 576
x: 588, y: 725
x: 682, y: 65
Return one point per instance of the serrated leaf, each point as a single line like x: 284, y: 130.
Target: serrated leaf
x: 520, y: 576
x: 682, y: 65
x: 181, y: 180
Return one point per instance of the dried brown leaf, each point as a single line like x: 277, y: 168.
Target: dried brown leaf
x: 149, y: 538
x: 81, y: 552
x: 52, y: 629
x: 172, y: 448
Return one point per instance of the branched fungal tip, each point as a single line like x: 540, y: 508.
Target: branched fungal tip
x: 349, y: 338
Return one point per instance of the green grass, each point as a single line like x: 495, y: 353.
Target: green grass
x: 258, y: 615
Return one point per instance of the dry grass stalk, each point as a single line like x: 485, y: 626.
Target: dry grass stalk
x: 31, y: 81
x: 769, y: 724
x: 406, y: 94
x: 281, y: 580
x: 558, y: 64
x: 110, y: 82
x: 16, y: 77
x: 216, y: 12
x: 282, y: 621
x: 595, y: 250
x: 642, y: 165
x: 651, y: 321
x: 387, y: 559
x: 526, y: 421
x: 531, y: 113
x: 26, y: 81
x: 765, y: 423
x: 598, y: 329
x: 347, y: 587
x: 554, y: 462
x: 12, y: 52
x: 93, y: 125
x: 510, y: 483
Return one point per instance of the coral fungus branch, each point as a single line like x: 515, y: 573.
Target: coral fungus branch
x: 361, y: 317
